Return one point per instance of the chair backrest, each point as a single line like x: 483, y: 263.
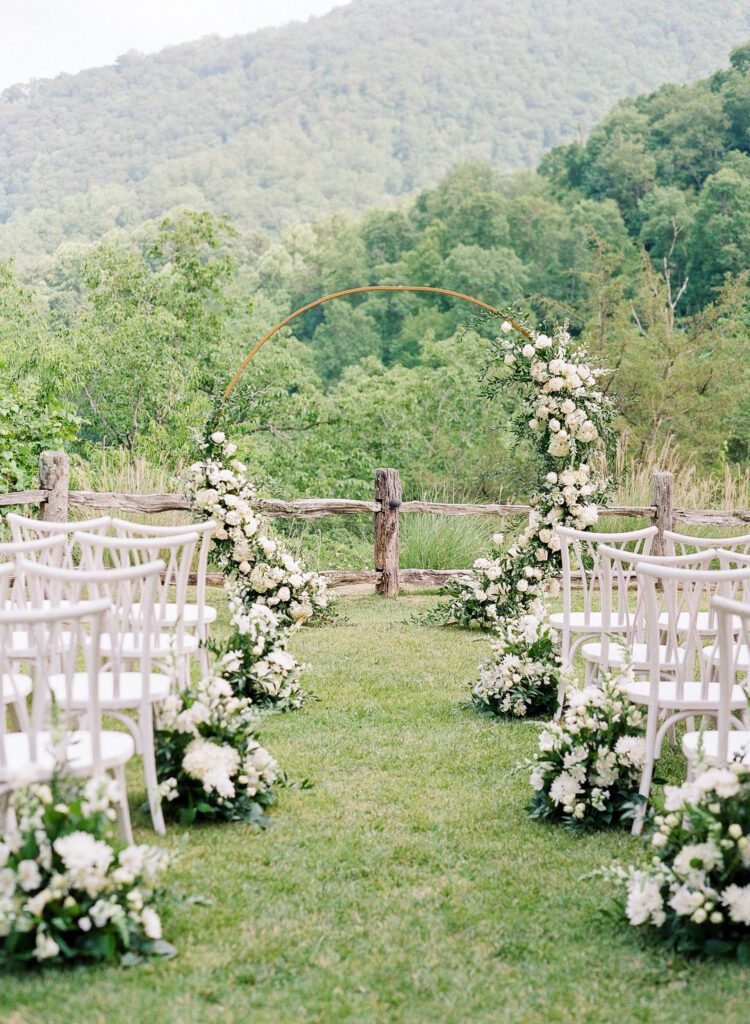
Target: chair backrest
x: 7, y: 577
x: 579, y: 551
x: 124, y: 552
x: 622, y: 600
x: 45, y: 550
x: 733, y: 619
x: 25, y: 529
x: 679, y: 615
x: 683, y: 543
x: 62, y: 640
x: 206, y: 530
x: 131, y: 629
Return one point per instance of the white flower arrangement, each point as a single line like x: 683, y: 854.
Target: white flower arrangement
x: 524, y: 673
x: 694, y: 894
x: 566, y: 418
x: 270, y: 592
x: 262, y: 570
x: 257, y: 665
x: 70, y: 891
x: 208, y: 759
x: 587, y: 769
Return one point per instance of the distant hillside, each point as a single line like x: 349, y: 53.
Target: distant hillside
x: 370, y: 102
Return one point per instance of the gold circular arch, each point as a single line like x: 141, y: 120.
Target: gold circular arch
x: 358, y: 291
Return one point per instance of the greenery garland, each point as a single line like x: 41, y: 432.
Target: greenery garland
x: 566, y: 418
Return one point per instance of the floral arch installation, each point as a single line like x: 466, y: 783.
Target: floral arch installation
x: 359, y: 291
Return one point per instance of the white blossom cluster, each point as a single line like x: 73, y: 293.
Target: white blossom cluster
x: 588, y: 766
x: 257, y: 665
x: 219, y: 489
x: 67, y: 886
x: 524, y: 673
x: 565, y: 416
x: 696, y: 888
x: 208, y: 754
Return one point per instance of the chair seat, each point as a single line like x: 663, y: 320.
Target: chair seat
x: 617, y: 656
x: 130, y: 646
x: 743, y: 656
x: 738, y: 747
x: 14, y: 687
x: 116, y: 747
x: 705, y: 623
x: 129, y: 690
x: 581, y: 622
x: 189, y: 616
x: 639, y: 690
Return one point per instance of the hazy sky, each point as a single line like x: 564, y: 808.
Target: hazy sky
x: 41, y: 38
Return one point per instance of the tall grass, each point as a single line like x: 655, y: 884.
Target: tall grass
x: 693, y: 488
x: 110, y: 469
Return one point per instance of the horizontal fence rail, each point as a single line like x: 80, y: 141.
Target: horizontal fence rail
x: 54, y: 498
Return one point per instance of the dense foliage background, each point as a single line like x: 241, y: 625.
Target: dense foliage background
x: 372, y: 102
x: 638, y: 237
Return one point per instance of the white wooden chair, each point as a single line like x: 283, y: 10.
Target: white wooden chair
x: 126, y: 681
x: 717, y: 747
x: 684, y: 544
x: 198, y: 615
x: 622, y: 601
x: 23, y: 528
x: 15, y: 686
x: 580, y: 559
x: 173, y: 644
x: 677, y: 604
x: 53, y: 740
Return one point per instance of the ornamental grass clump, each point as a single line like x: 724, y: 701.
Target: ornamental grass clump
x: 70, y: 891
x: 587, y: 770
x: 209, y: 761
x: 694, y: 893
x: 523, y: 675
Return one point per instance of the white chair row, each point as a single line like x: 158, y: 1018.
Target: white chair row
x: 657, y: 614
x: 134, y: 585
x: 132, y: 543
x: 58, y: 732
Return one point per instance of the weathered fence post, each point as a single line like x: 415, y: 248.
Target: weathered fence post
x: 661, y: 497
x: 54, y: 478
x: 386, y: 532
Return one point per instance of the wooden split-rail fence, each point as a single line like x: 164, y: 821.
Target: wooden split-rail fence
x: 54, y: 499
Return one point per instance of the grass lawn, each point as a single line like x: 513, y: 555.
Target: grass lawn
x: 406, y: 886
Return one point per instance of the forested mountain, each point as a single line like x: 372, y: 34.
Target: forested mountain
x: 370, y: 102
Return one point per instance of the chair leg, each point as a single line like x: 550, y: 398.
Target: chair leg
x: 125, y: 826
x: 20, y: 715
x: 648, y: 770
x: 146, y: 721
x: 203, y: 659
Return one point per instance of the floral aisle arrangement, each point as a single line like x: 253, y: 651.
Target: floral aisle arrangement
x: 270, y: 593
x: 69, y: 890
x: 524, y: 670
x: 208, y: 759
x: 694, y: 894
x: 261, y: 569
x: 566, y: 418
x: 587, y: 769
x: 257, y: 665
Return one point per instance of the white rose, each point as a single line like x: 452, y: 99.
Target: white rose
x: 218, y: 437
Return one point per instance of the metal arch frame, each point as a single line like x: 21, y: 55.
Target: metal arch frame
x: 358, y: 291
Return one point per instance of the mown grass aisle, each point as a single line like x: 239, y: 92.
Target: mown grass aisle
x: 406, y: 886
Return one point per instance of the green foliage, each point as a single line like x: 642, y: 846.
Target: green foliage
x: 35, y: 412
x: 372, y: 102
